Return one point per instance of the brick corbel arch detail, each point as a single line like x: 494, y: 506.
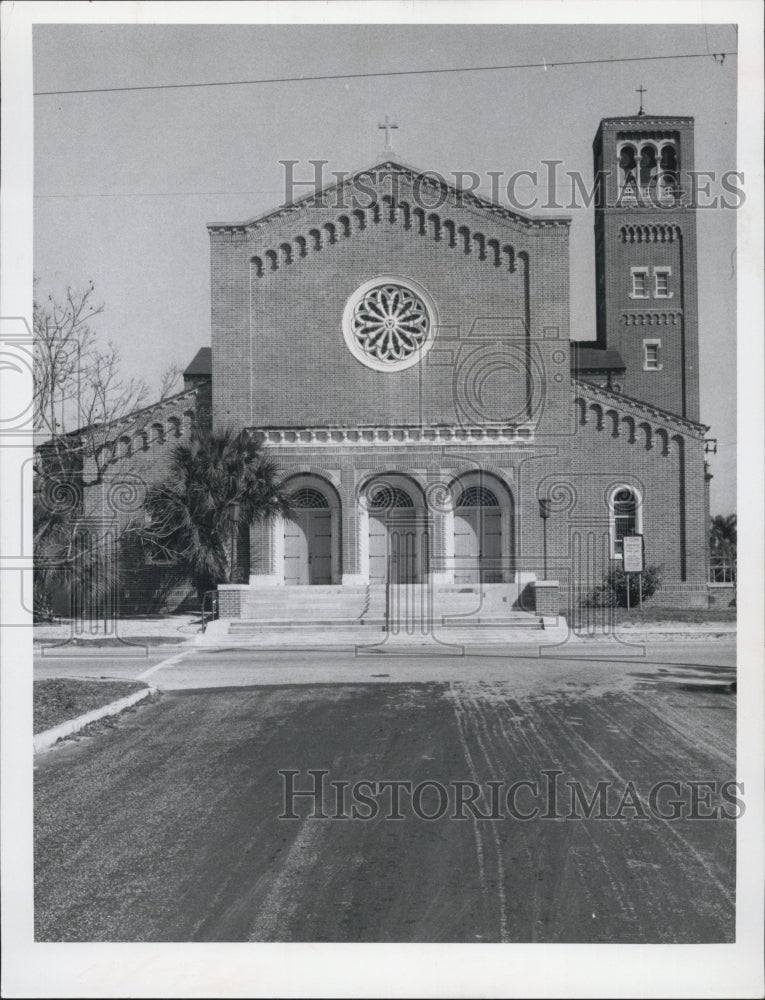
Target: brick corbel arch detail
x: 462, y: 240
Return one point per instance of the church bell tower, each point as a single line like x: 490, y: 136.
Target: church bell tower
x: 645, y: 256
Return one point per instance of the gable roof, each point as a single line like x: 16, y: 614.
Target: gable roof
x: 427, y: 180
x: 201, y: 363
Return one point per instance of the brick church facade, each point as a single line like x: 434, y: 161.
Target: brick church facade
x: 402, y: 349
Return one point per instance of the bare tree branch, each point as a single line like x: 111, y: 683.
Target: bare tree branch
x: 78, y: 385
x: 170, y: 381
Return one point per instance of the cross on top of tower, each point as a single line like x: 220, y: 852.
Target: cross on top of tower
x: 387, y: 125
x: 641, y: 90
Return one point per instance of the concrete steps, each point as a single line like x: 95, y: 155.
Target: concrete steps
x: 295, y: 604
x: 412, y: 615
x: 303, y: 603
x: 219, y: 634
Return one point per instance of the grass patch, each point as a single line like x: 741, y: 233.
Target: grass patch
x: 110, y: 642
x: 61, y: 699
x: 694, y: 615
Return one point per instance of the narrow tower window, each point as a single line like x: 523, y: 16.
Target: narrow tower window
x: 628, y: 169
x: 669, y: 175
x: 639, y: 283
x: 662, y: 288
x: 652, y: 355
x: 647, y: 166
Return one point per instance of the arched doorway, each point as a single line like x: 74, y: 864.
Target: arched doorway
x: 477, y: 536
x: 483, y: 529
x: 397, y: 532
x: 308, y: 539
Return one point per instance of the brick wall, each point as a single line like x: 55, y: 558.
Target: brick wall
x: 635, y: 235
x: 229, y: 601
x: 280, y: 360
x: 547, y: 598
x: 612, y: 442
x: 672, y: 321
x: 133, y: 455
x: 136, y: 453
x: 500, y: 357
x: 279, y: 291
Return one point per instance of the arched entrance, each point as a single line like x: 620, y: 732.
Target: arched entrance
x: 397, y: 532
x: 308, y: 537
x: 482, y: 530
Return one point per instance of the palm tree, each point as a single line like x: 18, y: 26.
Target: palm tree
x: 219, y: 483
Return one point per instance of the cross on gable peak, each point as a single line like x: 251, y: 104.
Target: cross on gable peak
x: 387, y: 126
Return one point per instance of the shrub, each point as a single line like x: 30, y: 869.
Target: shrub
x: 612, y: 593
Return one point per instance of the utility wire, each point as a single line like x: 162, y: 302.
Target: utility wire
x: 405, y: 72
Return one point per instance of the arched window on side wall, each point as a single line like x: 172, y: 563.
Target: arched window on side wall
x: 625, y: 517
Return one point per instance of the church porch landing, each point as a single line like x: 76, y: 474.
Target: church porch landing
x: 368, y: 614
x: 372, y: 601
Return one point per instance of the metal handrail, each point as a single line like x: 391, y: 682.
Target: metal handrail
x: 213, y: 595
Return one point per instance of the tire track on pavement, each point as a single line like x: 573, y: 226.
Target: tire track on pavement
x: 683, y: 843
x: 460, y: 715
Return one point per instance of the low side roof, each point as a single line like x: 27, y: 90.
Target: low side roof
x: 201, y: 363
x: 595, y: 357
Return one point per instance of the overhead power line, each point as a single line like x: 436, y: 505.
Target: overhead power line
x: 404, y: 72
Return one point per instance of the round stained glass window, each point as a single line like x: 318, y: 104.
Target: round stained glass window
x: 388, y: 323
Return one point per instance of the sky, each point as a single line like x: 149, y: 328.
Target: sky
x: 125, y: 182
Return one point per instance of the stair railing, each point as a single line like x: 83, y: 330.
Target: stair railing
x: 213, y: 613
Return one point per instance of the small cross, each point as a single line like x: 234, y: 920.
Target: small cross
x: 387, y: 125
x: 641, y: 90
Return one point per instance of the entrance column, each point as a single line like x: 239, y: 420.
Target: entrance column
x: 442, y: 546
x: 358, y: 573
x: 362, y: 548
x: 355, y: 568
x: 267, y: 553
x: 440, y: 525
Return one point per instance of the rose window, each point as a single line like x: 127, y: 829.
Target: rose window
x: 388, y: 323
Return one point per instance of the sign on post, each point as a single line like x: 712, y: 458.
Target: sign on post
x: 633, y: 553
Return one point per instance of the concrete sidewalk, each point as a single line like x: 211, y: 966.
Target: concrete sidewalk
x: 220, y: 634
x: 188, y: 628
x: 168, y: 628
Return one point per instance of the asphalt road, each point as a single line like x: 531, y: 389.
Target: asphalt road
x: 165, y: 827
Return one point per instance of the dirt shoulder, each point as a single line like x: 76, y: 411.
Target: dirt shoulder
x: 61, y: 699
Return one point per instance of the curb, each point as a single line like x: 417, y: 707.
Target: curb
x: 43, y: 741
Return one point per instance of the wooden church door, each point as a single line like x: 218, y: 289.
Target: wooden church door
x: 394, y: 548
x: 478, y: 537
x: 395, y: 536
x: 308, y: 541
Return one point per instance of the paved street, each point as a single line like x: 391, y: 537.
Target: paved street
x: 166, y: 828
